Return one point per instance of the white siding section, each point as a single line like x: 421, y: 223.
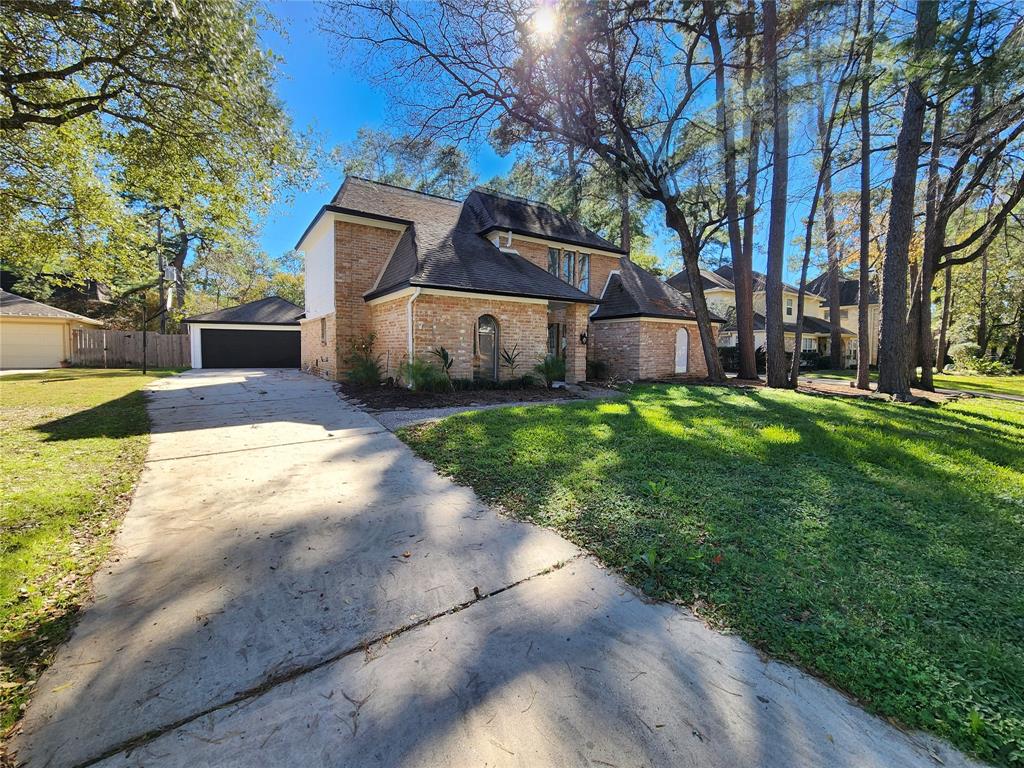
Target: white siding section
x: 319, y: 250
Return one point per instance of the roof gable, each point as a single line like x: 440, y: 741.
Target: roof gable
x: 497, y: 211
x: 635, y: 292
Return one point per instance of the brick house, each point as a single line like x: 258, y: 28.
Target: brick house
x: 478, y: 276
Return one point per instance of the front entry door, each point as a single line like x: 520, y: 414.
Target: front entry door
x: 682, y: 350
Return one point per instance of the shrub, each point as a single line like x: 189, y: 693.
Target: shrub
x: 510, y: 358
x: 365, y: 369
x: 964, y: 355
x: 551, y: 369
x: 420, y: 376
x: 597, y: 370
x: 446, y: 361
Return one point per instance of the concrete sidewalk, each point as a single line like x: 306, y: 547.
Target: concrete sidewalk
x: 292, y: 586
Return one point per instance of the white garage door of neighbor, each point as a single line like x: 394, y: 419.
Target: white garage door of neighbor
x: 31, y: 345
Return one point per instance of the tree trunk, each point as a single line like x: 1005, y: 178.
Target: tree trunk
x: 574, y: 182
x: 832, y: 246
x: 983, y: 305
x: 893, y: 350
x: 677, y: 223
x: 775, y: 332
x: 626, y: 225
x: 864, y: 270
x: 723, y: 110
x: 743, y: 270
x: 933, y: 242
x: 947, y: 306
x: 1018, y: 352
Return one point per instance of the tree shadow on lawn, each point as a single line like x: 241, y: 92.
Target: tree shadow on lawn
x: 122, y: 417
x: 875, y: 554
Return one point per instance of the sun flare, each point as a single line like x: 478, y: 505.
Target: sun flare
x: 545, y: 22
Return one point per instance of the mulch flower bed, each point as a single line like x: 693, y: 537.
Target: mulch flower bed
x: 385, y: 398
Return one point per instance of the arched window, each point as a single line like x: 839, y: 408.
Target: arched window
x: 487, y: 347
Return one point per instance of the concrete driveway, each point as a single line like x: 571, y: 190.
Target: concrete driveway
x: 292, y: 586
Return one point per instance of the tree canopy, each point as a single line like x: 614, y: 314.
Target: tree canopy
x: 135, y: 131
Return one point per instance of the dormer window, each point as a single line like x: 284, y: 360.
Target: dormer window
x: 571, y: 267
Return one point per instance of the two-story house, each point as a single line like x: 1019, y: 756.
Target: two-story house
x: 816, y: 332
x: 477, y: 276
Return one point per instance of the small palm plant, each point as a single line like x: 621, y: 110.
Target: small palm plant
x: 447, y: 361
x: 510, y: 359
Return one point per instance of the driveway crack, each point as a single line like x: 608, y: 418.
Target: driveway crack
x: 287, y: 676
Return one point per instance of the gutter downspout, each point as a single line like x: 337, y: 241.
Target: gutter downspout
x: 408, y: 313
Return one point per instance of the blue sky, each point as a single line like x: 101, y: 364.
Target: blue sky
x: 336, y: 102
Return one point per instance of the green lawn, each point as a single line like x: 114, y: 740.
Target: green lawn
x: 1002, y: 385
x: 72, y: 443
x: 879, y: 545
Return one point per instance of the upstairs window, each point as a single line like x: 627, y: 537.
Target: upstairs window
x: 569, y: 267
x: 789, y: 307
x: 583, y: 273
x: 553, y: 261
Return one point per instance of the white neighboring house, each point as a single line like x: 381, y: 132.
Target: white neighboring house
x: 36, y: 335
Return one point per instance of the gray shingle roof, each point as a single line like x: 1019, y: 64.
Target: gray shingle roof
x: 13, y: 305
x: 760, y: 278
x: 709, y: 279
x: 812, y: 325
x: 443, y: 247
x: 635, y: 292
x: 272, y: 310
x: 849, y: 289
x: 497, y: 211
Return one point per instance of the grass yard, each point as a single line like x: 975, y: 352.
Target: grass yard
x: 879, y: 545
x: 72, y: 444
x: 1001, y: 385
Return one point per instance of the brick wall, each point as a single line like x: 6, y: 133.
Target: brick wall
x: 645, y: 349
x: 318, y: 346
x: 658, y: 351
x: 360, y: 252
x: 617, y: 345
x: 390, y: 321
x: 450, y: 321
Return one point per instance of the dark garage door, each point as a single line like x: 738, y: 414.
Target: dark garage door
x: 250, y: 349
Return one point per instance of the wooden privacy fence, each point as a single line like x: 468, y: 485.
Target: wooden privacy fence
x: 123, y: 349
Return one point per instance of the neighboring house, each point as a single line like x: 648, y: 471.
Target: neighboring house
x: 816, y: 333
x: 477, y: 276
x: 36, y: 335
x: 260, y: 334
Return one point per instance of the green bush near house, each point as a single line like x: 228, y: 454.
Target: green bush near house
x: 879, y: 545
x: 551, y: 369
x: 364, y: 366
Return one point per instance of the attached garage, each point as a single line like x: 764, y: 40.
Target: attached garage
x: 36, y: 335
x: 260, y: 334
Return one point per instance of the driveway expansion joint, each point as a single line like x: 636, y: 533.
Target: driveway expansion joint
x: 286, y: 677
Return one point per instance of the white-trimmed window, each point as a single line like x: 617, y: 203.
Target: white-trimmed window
x: 583, y: 273
x: 809, y: 344
x: 569, y: 267
x: 789, y: 307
